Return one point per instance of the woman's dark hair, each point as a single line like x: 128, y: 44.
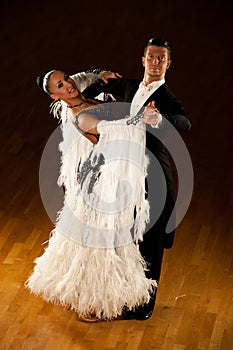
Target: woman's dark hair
x: 159, y: 42
x: 39, y: 81
x: 42, y: 82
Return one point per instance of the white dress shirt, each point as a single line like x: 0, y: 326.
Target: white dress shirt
x: 142, y: 94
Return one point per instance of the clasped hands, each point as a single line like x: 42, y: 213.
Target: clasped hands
x: 152, y: 115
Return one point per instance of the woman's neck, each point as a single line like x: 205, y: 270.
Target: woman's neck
x: 76, y: 102
x: 80, y: 103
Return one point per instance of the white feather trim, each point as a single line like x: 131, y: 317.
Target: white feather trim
x: 75, y: 270
x: 90, y: 280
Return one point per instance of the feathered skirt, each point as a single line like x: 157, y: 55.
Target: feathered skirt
x: 84, y: 267
x: 89, y: 280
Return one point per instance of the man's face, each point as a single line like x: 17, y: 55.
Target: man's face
x: 156, y: 61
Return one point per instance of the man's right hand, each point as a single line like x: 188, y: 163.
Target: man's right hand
x: 107, y: 75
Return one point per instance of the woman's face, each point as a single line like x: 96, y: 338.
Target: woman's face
x: 62, y: 86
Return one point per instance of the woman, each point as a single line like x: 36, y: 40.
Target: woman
x: 92, y: 264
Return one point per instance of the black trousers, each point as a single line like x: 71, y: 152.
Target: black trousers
x: 155, y: 240
x: 152, y: 249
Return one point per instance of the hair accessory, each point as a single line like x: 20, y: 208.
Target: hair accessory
x: 56, y: 109
x: 45, y: 81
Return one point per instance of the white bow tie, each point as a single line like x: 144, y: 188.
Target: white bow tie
x: 145, y: 88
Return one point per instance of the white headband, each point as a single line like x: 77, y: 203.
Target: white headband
x: 45, y: 80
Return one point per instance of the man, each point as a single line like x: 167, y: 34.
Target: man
x: 152, y: 91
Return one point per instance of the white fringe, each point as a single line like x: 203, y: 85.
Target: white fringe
x: 89, y: 280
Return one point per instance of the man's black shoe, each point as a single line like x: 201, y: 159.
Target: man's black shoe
x: 144, y: 313
x: 141, y: 312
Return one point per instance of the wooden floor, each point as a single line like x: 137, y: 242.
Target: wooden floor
x: 194, y: 309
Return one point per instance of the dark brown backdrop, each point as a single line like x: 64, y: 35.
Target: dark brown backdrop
x: 74, y: 36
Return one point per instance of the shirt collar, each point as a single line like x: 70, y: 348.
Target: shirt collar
x: 153, y: 85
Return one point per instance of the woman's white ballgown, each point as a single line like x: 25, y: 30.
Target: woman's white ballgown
x: 92, y: 263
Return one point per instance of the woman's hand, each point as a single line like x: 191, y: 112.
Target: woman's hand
x: 152, y: 115
x: 106, y: 75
